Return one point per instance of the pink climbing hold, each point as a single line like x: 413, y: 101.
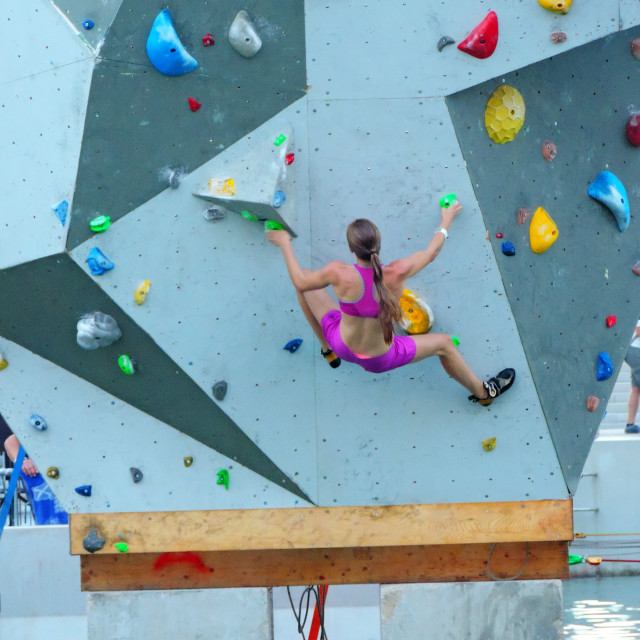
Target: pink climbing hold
x: 635, y: 48
x: 592, y: 403
x: 482, y: 41
x: 194, y: 105
x: 558, y: 36
x: 207, y: 40
x: 633, y: 129
x: 610, y: 321
x: 289, y: 158
x: 636, y: 268
x: 548, y: 150
x: 523, y: 214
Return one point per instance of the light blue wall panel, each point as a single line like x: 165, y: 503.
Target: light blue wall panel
x: 383, y: 48
x: 410, y: 435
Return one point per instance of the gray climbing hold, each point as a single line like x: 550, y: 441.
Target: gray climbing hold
x: 97, y: 329
x: 174, y: 178
x: 444, y: 41
x: 243, y: 36
x: 213, y: 214
x: 219, y: 390
x: 93, y: 542
x: 136, y: 474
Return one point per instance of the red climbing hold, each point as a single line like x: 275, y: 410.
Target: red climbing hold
x: 482, y: 41
x: 207, y: 40
x: 558, y: 36
x: 194, y: 105
x: 633, y: 129
x: 611, y: 320
x: 548, y: 150
x: 499, y: 235
x: 289, y: 158
x: 635, y: 48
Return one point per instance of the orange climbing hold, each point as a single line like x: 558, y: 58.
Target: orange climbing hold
x: 548, y: 150
x: 543, y: 231
x: 417, y: 316
x: 557, y: 6
x: 592, y: 403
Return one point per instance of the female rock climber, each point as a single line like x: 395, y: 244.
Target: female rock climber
x: 359, y: 328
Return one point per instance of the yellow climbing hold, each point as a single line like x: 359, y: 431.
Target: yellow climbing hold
x: 141, y: 292
x: 223, y: 187
x: 489, y: 445
x: 543, y: 231
x: 557, y: 6
x: 3, y: 362
x: 504, y: 114
x: 417, y: 316
x: 53, y: 472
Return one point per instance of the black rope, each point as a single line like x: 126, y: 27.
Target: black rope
x: 306, y: 594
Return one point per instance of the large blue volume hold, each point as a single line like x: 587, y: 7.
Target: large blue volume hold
x: 608, y: 189
x: 166, y: 53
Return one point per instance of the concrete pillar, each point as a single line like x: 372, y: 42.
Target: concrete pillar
x: 207, y: 614
x: 525, y: 609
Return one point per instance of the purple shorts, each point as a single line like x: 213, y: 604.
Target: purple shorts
x: 402, y: 351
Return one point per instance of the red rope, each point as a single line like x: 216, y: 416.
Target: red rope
x: 315, y: 623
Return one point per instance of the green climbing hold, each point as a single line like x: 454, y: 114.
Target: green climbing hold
x: 100, y: 224
x: 121, y: 547
x: 280, y: 139
x: 455, y: 340
x: 448, y: 200
x: 127, y: 364
x: 272, y: 225
x: 575, y: 558
x: 247, y: 215
x: 223, y: 478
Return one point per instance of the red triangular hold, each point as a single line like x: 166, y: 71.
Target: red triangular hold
x: 482, y: 41
x: 194, y: 105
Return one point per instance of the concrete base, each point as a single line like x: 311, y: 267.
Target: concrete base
x: 474, y: 611
x: 215, y: 614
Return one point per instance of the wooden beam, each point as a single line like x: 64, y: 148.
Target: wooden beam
x: 328, y: 527
x: 379, y: 565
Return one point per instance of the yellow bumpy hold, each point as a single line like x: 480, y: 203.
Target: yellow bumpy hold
x: 417, y: 316
x: 543, y: 231
x: 3, y: 362
x: 504, y: 114
x: 557, y: 6
x: 489, y: 444
x: 140, y: 294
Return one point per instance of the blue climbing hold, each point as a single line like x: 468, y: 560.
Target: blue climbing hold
x: 605, y: 367
x: 38, y: 422
x: 88, y: 24
x: 84, y: 490
x: 278, y: 199
x: 98, y: 262
x: 608, y: 189
x: 166, y: 53
x: 293, y: 345
x: 61, y: 211
x: 508, y: 249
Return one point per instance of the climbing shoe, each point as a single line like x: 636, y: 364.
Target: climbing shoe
x: 632, y: 428
x: 496, y: 386
x: 331, y: 358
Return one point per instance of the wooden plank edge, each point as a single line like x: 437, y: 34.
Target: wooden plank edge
x: 327, y: 527
x: 377, y: 565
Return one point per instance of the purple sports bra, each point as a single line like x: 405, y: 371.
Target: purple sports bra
x: 367, y: 306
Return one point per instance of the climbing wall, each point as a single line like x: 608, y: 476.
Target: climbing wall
x: 372, y: 135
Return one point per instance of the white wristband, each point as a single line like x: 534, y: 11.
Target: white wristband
x: 443, y: 231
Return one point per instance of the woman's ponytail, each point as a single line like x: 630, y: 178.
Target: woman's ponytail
x: 389, y: 305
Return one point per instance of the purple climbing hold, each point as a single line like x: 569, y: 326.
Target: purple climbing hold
x: 508, y: 249
x: 605, y: 366
x: 293, y: 345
